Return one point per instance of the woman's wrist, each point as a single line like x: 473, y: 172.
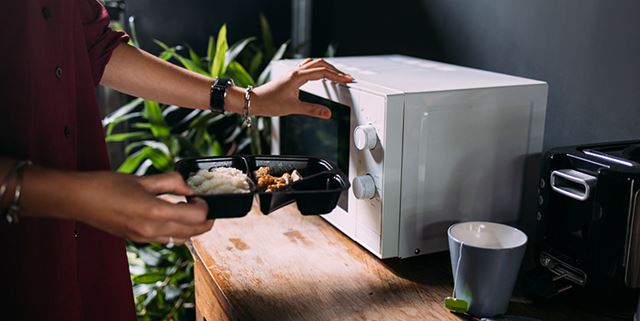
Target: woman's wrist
x: 234, y: 100
x: 54, y: 193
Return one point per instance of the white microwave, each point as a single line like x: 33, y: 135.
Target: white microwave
x: 425, y: 145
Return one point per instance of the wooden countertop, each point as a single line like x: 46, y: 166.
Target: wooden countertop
x: 285, y: 266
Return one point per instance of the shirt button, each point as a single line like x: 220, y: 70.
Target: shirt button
x: 67, y: 131
x: 46, y: 12
x: 58, y: 72
x: 75, y: 233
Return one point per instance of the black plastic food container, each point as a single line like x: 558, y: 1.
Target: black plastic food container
x: 317, y: 193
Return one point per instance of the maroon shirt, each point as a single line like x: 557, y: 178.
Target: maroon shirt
x: 52, y: 57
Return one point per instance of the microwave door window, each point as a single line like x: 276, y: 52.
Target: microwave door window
x: 315, y: 137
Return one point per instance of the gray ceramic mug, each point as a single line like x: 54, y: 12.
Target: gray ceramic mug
x: 486, y: 272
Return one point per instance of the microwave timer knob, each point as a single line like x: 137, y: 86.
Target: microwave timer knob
x: 364, y: 187
x: 365, y: 137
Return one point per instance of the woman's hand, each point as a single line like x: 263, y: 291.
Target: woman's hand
x: 280, y: 96
x: 123, y: 205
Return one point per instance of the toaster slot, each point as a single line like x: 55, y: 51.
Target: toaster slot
x: 573, y: 184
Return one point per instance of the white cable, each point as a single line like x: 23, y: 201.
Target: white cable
x: 455, y: 278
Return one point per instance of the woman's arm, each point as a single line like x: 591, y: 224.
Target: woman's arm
x: 138, y: 73
x: 124, y: 205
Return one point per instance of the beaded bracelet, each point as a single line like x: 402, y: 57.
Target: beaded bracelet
x: 246, y: 118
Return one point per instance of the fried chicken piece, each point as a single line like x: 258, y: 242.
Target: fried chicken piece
x: 272, y: 183
x: 266, y: 180
x: 262, y: 171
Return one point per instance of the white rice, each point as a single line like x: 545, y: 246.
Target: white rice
x: 221, y: 180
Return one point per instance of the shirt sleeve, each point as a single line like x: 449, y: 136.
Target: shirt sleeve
x: 101, y: 40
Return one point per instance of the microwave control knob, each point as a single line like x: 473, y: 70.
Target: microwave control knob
x: 364, y: 187
x: 365, y: 137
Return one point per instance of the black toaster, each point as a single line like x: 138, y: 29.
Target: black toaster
x: 588, y: 223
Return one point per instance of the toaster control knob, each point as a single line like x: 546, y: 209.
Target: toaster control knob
x: 365, y: 137
x: 364, y: 187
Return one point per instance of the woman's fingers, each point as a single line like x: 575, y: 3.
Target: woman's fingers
x: 169, y: 240
x: 192, y: 212
x: 303, y: 76
x: 166, y: 183
x: 306, y: 61
x: 184, y: 231
x: 315, y: 110
x: 321, y: 63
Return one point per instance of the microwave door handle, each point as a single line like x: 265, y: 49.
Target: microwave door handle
x: 572, y: 183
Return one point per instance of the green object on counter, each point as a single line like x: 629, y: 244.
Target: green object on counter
x: 456, y: 305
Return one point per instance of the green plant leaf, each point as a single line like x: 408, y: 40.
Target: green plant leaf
x: 201, y: 120
x: 211, y: 50
x: 149, y: 278
x: 195, y: 59
x: 150, y: 143
x: 264, y: 76
x: 267, y: 40
x: 133, y: 35
x: 130, y: 165
x: 153, y: 113
x: 141, y: 289
x: 133, y: 146
x: 121, y: 111
x: 150, y: 297
x: 172, y: 52
x: 161, y: 160
x: 163, y: 45
x: 281, y: 50
x: 187, y: 147
x: 190, y: 116
x: 255, y: 63
x: 115, y: 122
x: 174, y: 146
x: 217, y: 66
x: 149, y: 256
x: 171, y: 292
x: 236, y: 49
x: 169, y: 109
x: 141, y: 125
x: 127, y: 136
x: 143, y: 168
x: 240, y: 75
x: 166, y: 55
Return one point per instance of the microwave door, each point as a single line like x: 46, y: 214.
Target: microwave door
x: 323, y: 138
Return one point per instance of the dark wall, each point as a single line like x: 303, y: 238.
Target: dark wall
x: 192, y: 21
x: 587, y: 50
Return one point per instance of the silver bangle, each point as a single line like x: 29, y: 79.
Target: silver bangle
x: 246, y: 118
x: 11, y: 214
x: 5, y: 182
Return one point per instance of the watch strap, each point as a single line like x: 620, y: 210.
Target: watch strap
x: 218, y: 93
